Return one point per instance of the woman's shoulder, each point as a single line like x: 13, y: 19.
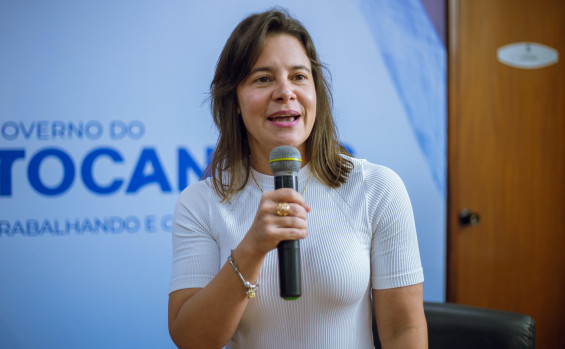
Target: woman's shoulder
x: 373, y: 181
x: 366, y: 171
x: 379, y: 185
x: 196, y: 192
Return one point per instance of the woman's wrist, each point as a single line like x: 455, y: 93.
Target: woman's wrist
x: 251, y: 287
x: 247, y: 257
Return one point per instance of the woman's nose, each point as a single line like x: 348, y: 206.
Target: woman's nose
x: 283, y: 91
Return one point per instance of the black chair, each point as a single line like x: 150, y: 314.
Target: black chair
x: 456, y: 326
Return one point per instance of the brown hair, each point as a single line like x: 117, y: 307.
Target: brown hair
x: 230, y: 164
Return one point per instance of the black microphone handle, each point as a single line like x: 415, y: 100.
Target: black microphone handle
x: 286, y: 181
x: 289, y: 252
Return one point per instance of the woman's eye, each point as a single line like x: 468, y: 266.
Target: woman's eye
x: 262, y: 79
x: 300, y: 77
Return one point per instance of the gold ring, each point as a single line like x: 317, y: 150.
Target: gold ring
x: 283, y: 209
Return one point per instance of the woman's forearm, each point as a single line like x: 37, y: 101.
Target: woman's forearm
x: 413, y: 337
x: 208, y: 317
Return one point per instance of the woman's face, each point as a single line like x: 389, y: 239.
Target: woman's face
x: 277, y: 100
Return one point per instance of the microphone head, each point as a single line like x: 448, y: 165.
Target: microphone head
x: 285, y: 159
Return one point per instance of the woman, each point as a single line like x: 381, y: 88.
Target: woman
x: 354, y: 218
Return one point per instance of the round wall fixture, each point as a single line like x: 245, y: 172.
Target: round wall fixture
x: 527, y: 55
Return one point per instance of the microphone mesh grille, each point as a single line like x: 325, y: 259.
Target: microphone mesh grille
x: 284, y: 153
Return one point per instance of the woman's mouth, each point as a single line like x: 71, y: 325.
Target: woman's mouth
x: 285, y: 118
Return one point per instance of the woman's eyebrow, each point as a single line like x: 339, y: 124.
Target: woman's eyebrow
x: 260, y: 69
x: 269, y: 69
x: 301, y: 67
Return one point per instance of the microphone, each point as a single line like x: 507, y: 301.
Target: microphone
x: 285, y: 164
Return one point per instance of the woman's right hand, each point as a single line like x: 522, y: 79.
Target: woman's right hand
x: 268, y: 228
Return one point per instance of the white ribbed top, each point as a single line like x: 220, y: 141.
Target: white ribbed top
x: 361, y: 236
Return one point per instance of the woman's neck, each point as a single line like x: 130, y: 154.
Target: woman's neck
x: 261, y: 164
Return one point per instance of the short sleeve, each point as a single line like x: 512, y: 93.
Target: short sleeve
x: 196, y: 255
x: 395, y: 257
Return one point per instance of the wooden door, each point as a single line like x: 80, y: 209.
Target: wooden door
x: 506, y: 162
